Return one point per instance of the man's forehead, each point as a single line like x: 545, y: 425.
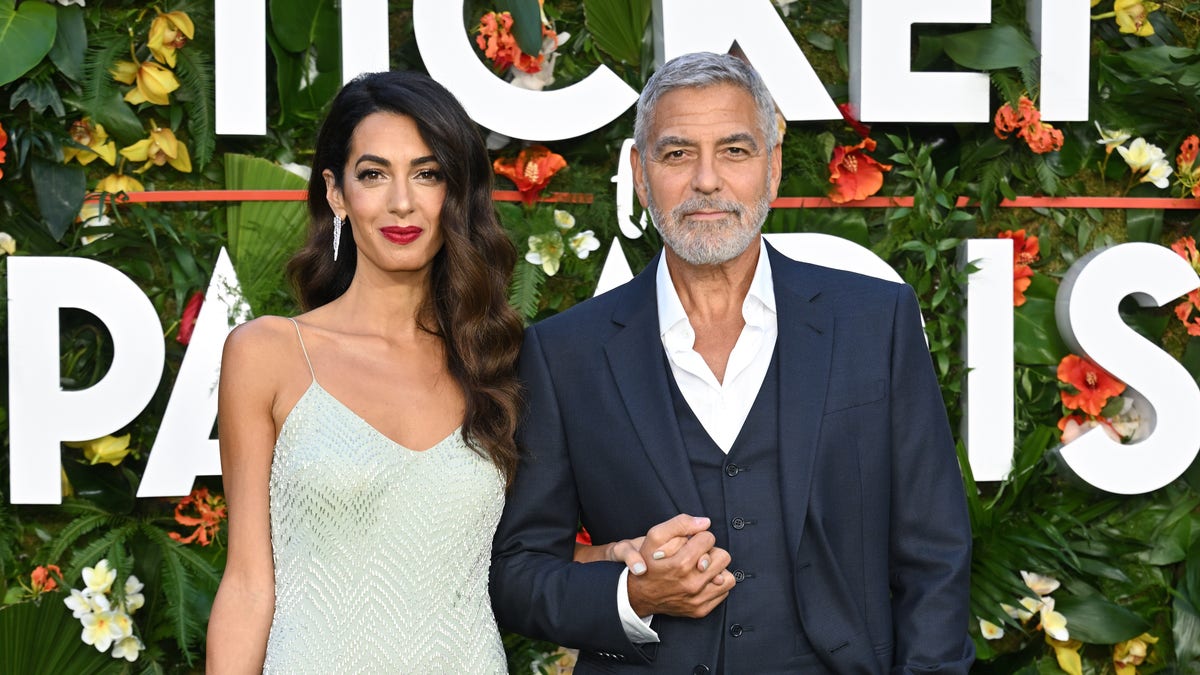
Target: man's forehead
x: 690, y: 114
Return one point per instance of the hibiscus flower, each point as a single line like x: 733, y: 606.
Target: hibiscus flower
x: 1089, y: 386
x: 855, y: 174
x: 531, y: 170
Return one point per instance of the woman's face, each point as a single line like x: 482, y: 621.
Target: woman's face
x: 392, y: 193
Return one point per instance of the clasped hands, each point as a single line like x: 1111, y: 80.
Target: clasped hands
x: 675, y: 569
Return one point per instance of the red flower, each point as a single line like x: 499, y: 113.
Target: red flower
x: 531, y: 170
x: 187, y: 321
x: 3, y: 142
x: 41, y: 580
x: 1188, y: 312
x: 1042, y: 138
x: 1025, y: 253
x: 861, y: 129
x: 583, y: 537
x: 854, y: 173
x: 1187, y: 153
x: 1027, y: 122
x: 210, y: 511
x: 1090, y: 386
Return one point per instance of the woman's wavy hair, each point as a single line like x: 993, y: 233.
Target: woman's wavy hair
x: 467, y: 306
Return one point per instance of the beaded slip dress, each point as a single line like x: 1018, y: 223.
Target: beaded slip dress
x: 381, y: 552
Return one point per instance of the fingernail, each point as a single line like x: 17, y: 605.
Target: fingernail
x: 703, y: 564
x: 701, y: 521
x: 658, y: 555
x: 639, y: 569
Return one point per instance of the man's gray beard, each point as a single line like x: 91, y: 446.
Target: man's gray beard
x: 711, y: 242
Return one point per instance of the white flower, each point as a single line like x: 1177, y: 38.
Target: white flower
x: 989, y: 630
x: 99, y: 578
x: 1141, y: 155
x: 100, y: 629
x: 1054, y: 623
x: 134, y: 599
x: 545, y: 75
x: 563, y: 219
x: 67, y: 3
x: 80, y: 603
x: 1042, y: 585
x: 123, y: 623
x: 584, y: 243
x: 784, y: 6
x: 546, y: 250
x: 8, y: 245
x: 1128, y: 422
x: 128, y: 648
x: 1159, y: 171
x: 1031, y: 605
x: 1111, y: 139
x: 1073, y: 430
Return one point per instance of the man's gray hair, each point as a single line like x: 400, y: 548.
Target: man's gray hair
x: 704, y: 69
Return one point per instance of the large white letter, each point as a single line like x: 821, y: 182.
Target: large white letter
x: 883, y: 87
x: 364, y: 37
x: 1062, y: 32
x: 449, y: 54
x: 713, y: 26
x: 183, y: 450
x: 1086, y: 310
x: 240, y: 37
x: 41, y: 414
x: 987, y: 421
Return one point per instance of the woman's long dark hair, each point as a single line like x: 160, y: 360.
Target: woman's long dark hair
x: 467, y: 306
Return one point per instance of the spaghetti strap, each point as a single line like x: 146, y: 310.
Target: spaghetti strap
x: 303, y: 349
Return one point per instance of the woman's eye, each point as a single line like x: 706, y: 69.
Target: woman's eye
x: 370, y: 175
x: 432, y: 175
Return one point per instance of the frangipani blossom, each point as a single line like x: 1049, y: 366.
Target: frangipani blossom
x: 1158, y: 174
x: 99, y: 578
x: 128, y: 648
x: 123, y: 623
x: 563, y: 219
x: 1054, y: 623
x: 100, y: 629
x: 1140, y: 155
x: 1111, y: 139
x: 583, y: 243
x: 134, y: 599
x: 79, y: 602
x: 546, y: 250
x: 989, y: 630
x: 1025, y: 612
x: 1040, y: 584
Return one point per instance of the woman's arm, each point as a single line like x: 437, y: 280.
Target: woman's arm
x: 245, y: 602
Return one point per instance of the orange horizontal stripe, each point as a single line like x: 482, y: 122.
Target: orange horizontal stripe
x: 161, y: 196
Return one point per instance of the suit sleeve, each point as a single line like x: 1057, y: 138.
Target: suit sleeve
x: 930, y: 541
x: 537, y: 590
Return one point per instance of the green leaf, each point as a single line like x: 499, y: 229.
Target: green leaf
x: 43, y: 637
x: 1191, y: 357
x: 60, y: 190
x: 103, y: 101
x: 990, y: 48
x: 1144, y: 225
x: 525, y: 293
x: 70, y: 43
x: 294, y: 22
x: 527, y: 23
x: 618, y: 27
x: 1095, y: 620
x: 41, y: 94
x: 196, y: 87
x: 26, y: 36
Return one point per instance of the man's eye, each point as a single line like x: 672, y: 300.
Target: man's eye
x: 674, y: 154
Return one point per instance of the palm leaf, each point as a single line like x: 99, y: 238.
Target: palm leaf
x: 194, y: 69
x: 262, y: 235
x: 43, y: 637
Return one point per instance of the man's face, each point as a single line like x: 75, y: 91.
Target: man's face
x: 707, y: 177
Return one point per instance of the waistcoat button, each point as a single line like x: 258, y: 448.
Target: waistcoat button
x: 732, y: 470
x: 739, y: 523
x: 736, y: 630
x: 739, y: 576
x: 700, y: 670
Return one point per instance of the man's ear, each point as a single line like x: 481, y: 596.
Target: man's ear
x: 639, y: 174
x: 333, y: 193
x: 776, y: 170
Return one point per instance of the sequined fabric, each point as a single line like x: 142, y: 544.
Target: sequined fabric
x: 381, y: 553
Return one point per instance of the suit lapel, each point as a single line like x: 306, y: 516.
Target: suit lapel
x: 805, y: 350
x: 635, y: 357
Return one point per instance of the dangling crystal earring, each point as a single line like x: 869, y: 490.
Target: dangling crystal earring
x: 337, y: 235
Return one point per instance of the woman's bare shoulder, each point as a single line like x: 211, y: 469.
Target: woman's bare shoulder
x: 261, y: 343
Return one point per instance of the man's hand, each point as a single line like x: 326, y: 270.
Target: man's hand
x: 685, y: 571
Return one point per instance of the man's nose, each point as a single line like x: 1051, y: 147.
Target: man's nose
x: 706, y: 179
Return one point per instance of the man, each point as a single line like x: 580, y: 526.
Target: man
x: 774, y: 429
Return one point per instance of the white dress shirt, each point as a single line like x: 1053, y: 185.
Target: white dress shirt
x: 720, y: 406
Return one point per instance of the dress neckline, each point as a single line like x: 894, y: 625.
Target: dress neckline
x: 316, y: 386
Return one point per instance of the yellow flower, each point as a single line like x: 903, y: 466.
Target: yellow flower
x: 95, y: 138
x: 8, y: 245
x: 1038, y: 583
x: 989, y: 630
x: 1054, y: 623
x: 154, y: 82
x: 118, y: 182
x: 1131, y: 16
x: 1130, y: 654
x: 160, y: 148
x: 109, y: 449
x: 1067, y: 654
x: 169, y: 32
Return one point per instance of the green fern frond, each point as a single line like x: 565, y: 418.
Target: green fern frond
x: 194, y: 70
x: 1031, y: 75
x: 176, y: 587
x: 67, y: 537
x: 1046, y: 177
x: 89, y: 555
x: 525, y: 293
x: 98, y: 85
x: 195, y: 562
x: 1008, y: 88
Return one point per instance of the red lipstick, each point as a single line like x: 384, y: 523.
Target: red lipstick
x: 401, y: 235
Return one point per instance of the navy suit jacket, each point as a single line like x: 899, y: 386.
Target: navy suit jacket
x: 872, y: 498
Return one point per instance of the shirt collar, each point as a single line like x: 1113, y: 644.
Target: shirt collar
x: 672, y: 319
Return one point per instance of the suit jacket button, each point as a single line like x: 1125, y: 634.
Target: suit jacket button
x: 739, y: 523
x: 732, y: 470
x: 700, y: 670
x: 736, y: 630
x: 739, y: 576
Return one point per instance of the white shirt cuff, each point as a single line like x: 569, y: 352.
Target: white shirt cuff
x: 637, y: 628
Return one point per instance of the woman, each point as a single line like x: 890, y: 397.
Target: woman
x: 367, y: 443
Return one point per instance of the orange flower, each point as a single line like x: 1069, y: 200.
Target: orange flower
x: 499, y: 45
x: 1186, y: 248
x: 1188, y: 312
x: 1042, y: 138
x: 210, y: 511
x: 854, y: 173
x: 1187, y: 153
x: 531, y: 170
x: 847, y: 111
x: 41, y: 580
x: 3, y: 142
x: 1025, y: 253
x: 1090, y: 386
x: 1027, y: 122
